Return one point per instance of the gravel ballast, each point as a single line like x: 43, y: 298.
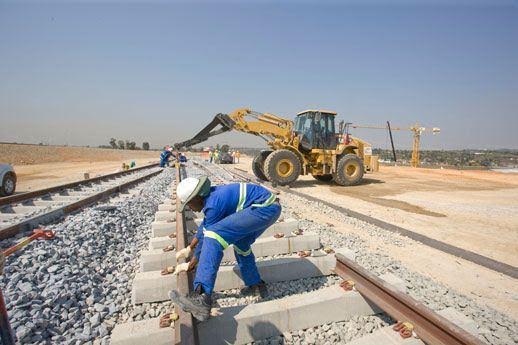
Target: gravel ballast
x: 74, y: 288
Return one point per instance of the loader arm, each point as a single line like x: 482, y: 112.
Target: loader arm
x: 268, y: 126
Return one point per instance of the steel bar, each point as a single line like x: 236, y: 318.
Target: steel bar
x: 30, y: 195
x: 35, y: 221
x: 38, y: 233
x: 184, y: 327
x: 428, y: 325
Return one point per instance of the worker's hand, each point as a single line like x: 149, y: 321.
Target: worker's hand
x: 2, y: 262
x: 192, y: 264
x: 181, y: 268
x: 184, y: 253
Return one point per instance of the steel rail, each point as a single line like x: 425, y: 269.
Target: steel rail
x: 184, y: 328
x: 35, y: 221
x: 484, y: 261
x: 428, y: 325
x: 31, y: 195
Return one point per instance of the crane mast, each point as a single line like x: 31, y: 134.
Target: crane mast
x: 417, y: 131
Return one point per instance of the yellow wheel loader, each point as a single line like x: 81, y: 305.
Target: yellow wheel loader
x: 310, y: 145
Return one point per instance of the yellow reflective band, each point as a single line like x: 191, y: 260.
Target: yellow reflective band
x: 242, y: 197
x: 268, y: 201
x: 217, y: 237
x: 241, y: 252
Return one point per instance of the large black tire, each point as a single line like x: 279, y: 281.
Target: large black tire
x: 258, y: 165
x: 8, y: 185
x: 282, y: 167
x: 324, y: 178
x: 349, y: 170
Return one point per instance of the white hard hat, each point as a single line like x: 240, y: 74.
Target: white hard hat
x: 190, y: 187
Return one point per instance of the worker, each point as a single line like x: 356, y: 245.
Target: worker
x: 233, y: 154
x: 216, y: 156
x: 235, y: 214
x: 238, y: 154
x: 211, y: 155
x: 165, y: 155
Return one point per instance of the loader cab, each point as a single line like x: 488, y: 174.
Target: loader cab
x: 316, y: 129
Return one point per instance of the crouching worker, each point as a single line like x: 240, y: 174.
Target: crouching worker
x: 235, y: 214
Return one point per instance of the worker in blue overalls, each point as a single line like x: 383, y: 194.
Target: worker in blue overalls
x: 235, y: 214
x: 165, y: 155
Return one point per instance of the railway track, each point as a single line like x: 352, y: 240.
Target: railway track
x: 338, y: 290
x: 25, y: 211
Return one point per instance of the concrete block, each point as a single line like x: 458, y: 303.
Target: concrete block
x: 459, y: 319
x: 153, y: 287
x: 277, y: 270
x: 169, y: 201
x: 244, y: 324
x: 163, y: 228
x: 265, y: 246
x: 142, y: 332
x: 167, y: 216
x: 285, y: 227
x: 395, y: 281
x: 167, y: 207
x: 385, y: 336
x: 348, y: 253
x: 155, y: 260
x: 161, y: 242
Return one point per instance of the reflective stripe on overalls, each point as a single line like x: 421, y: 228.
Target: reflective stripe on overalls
x: 240, y: 204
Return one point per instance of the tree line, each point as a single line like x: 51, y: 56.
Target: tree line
x: 126, y: 145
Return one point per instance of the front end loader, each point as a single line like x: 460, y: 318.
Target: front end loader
x: 310, y: 145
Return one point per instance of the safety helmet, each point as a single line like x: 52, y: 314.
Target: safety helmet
x: 191, y: 187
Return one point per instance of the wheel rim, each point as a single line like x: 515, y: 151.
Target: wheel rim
x: 351, y: 169
x: 9, y: 186
x: 285, y: 168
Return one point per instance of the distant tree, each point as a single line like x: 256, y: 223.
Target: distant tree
x: 120, y: 143
x: 145, y: 145
x: 130, y: 145
x: 113, y: 143
x: 224, y: 148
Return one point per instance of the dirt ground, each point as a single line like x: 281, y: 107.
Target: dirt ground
x: 474, y: 210
x: 40, y: 167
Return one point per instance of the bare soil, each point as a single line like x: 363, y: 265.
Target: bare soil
x: 40, y: 167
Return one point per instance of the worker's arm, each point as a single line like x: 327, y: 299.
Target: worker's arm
x: 213, y: 214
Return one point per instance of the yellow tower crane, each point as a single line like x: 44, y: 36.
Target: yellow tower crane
x: 416, y: 129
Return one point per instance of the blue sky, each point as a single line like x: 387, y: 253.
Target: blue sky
x: 80, y: 73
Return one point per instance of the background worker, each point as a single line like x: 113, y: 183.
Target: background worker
x: 216, y: 156
x: 165, y: 155
x: 235, y: 214
x: 237, y: 155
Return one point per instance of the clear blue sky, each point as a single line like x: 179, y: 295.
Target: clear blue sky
x: 81, y: 73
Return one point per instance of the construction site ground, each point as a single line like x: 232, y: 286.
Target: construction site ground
x: 40, y: 167
x: 473, y: 210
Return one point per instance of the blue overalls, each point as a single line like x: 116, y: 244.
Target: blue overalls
x: 235, y: 214
x: 164, y: 158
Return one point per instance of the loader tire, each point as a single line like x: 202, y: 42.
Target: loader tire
x: 282, y: 167
x: 324, y: 178
x: 349, y: 170
x: 258, y: 165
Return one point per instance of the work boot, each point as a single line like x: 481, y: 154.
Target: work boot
x: 256, y: 290
x: 197, y: 303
